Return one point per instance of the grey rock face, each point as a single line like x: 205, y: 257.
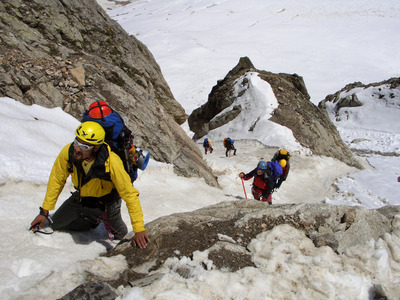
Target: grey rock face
x: 96, y: 290
x: 70, y: 53
x: 311, y: 127
x: 226, y: 229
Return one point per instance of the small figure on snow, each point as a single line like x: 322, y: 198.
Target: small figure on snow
x: 229, y: 146
x: 283, y: 157
x: 207, y: 146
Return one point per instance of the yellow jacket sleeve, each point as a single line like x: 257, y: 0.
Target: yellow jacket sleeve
x: 57, y: 179
x: 127, y: 192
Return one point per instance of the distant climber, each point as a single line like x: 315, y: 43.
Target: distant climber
x: 207, y: 146
x: 283, y: 157
x: 229, y: 146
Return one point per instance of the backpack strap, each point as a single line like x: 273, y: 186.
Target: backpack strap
x: 96, y: 171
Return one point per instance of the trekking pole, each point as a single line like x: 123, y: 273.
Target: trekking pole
x: 244, y: 189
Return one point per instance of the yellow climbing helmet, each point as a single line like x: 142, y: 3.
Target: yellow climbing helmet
x: 282, y: 162
x: 91, y: 132
x: 284, y: 154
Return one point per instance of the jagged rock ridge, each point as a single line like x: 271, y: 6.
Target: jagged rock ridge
x: 311, y: 127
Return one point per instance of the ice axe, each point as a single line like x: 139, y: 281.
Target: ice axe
x: 244, y: 189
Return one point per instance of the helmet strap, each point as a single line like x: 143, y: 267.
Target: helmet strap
x: 101, y: 111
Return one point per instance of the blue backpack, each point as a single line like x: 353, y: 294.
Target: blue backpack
x: 276, y: 170
x: 118, y: 136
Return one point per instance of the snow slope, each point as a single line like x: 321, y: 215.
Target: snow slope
x: 330, y: 44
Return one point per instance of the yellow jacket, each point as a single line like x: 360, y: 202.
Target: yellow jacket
x: 95, y: 187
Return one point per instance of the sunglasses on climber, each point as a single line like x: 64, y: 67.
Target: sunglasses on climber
x: 82, y: 146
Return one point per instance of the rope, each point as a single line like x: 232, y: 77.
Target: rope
x: 109, y: 228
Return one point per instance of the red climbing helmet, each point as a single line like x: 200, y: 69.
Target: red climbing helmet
x: 99, y: 110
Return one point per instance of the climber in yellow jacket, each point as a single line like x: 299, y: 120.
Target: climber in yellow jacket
x: 100, y: 180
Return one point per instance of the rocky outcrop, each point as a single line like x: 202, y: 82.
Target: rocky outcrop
x: 351, y: 100
x: 95, y: 290
x: 68, y: 53
x: 227, y: 228
x: 356, y: 99
x: 338, y: 227
x: 219, y: 98
x: 311, y: 127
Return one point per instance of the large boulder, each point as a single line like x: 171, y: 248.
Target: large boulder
x: 69, y: 53
x: 228, y: 229
x: 311, y: 127
x: 95, y: 290
x: 338, y: 227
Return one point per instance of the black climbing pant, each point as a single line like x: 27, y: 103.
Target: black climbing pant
x: 77, y: 215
